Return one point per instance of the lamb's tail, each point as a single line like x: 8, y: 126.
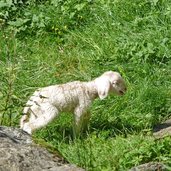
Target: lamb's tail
x: 34, y: 99
x: 25, y: 117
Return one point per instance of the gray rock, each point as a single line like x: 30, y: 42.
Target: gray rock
x: 162, y: 130
x: 19, y: 153
x: 151, y: 166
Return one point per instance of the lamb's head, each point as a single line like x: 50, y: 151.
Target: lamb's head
x: 110, y: 82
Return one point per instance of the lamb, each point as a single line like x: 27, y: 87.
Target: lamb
x: 75, y: 97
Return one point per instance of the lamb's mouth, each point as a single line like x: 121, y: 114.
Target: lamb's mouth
x: 121, y: 92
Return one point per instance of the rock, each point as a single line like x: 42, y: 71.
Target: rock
x: 14, y: 134
x: 151, y: 166
x: 162, y: 130
x: 19, y: 153
x: 162, y: 133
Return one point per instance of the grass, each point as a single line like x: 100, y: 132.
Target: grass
x: 79, y: 41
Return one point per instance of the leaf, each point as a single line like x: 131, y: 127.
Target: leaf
x: 19, y: 22
x: 79, y: 7
x: 3, y: 4
x: 35, y: 18
x: 155, y: 2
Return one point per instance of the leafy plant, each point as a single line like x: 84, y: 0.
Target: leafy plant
x: 52, y: 42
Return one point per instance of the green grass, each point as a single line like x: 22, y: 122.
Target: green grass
x: 54, y: 42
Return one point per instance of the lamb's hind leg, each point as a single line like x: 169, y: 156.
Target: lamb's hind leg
x: 40, y: 116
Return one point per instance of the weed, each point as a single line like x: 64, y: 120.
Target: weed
x: 51, y: 42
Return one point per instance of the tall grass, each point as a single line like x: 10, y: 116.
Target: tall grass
x: 53, y: 42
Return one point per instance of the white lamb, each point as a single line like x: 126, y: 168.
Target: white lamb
x: 75, y: 97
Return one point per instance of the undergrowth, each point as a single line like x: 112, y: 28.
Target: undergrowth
x: 51, y: 42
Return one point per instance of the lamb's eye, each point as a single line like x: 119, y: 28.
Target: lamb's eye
x: 115, y: 83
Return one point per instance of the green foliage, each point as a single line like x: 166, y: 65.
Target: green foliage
x: 8, y: 75
x: 51, y: 42
x: 33, y: 17
x: 119, y: 153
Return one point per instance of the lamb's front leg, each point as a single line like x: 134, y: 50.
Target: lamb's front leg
x: 81, y: 119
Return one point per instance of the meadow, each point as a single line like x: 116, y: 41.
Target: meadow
x: 52, y: 42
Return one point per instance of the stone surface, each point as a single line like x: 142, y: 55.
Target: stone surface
x: 162, y: 130
x: 151, y: 166
x: 19, y: 153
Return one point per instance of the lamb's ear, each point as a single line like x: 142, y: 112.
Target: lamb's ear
x: 103, y: 87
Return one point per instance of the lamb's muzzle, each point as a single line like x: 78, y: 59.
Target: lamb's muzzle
x: 76, y: 97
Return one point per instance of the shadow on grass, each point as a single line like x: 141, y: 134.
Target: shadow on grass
x: 106, y: 129
x: 114, y: 128
x: 63, y: 132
